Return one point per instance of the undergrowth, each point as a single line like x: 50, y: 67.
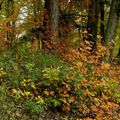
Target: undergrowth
x: 81, y: 84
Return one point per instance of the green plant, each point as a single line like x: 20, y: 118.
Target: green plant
x: 33, y: 107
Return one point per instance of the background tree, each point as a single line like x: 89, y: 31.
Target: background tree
x: 1, y: 5
x: 112, y: 21
x: 9, y: 9
x: 93, y: 21
x: 51, y: 22
x: 102, y: 21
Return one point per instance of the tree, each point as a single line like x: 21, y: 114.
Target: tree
x: 46, y: 23
x: 9, y: 8
x: 51, y: 22
x: 1, y: 4
x: 37, y: 30
x: 116, y: 49
x: 93, y: 21
x: 112, y: 21
x: 102, y: 23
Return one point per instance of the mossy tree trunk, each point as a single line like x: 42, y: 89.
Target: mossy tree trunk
x: 112, y: 21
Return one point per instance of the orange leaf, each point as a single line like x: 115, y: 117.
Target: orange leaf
x: 104, y: 97
x: 67, y: 108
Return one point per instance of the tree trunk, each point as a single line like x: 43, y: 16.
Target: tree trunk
x: 54, y: 14
x: 93, y: 22
x: 9, y: 7
x: 46, y: 24
x: 112, y: 21
x: 1, y: 4
x: 102, y: 24
x: 116, y: 49
x: 50, y: 23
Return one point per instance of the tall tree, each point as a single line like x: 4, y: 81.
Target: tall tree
x: 9, y: 8
x: 112, y: 21
x: 1, y: 4
x: 37, y: 29
x: 54, y: 17
x: 116, y: 49
x: 93, y: 21
x: 51, y: 22
x: 46, y: 23
x: 102, y: 23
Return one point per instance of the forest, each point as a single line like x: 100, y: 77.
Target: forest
x: 59, y: 59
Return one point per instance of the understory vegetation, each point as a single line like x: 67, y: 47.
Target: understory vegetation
x: 76, y: 85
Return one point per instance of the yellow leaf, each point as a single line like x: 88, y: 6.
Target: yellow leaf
x: 71, y: 99
x: 27, y: 93
x: 33, y: 86
x: 46, y: 92
x: 96, y: 100
x: 105, y: 66
x: 39, y: 100
x: 14, y: 90
x: 22, y: 94
x: 63, y: 100
x: 52, y: 92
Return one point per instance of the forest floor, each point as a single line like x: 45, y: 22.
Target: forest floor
x: 24, y: 98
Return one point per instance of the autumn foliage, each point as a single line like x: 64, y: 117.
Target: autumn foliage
x: 66, y: 74
x: 86, y: 87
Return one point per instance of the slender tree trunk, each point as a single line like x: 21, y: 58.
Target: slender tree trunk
x: 112, y: 21
x: 93, y: 22
x: 13, y: 21
x: 36, y: 32
x: 116, y: 49
x: 1, y: 4
x: 8, y: 24
x: 46, y: 24
x: 102, y: 24
x: 9, y: 9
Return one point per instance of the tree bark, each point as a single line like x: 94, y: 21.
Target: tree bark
x: 102, y: 24
x: 54, y: 17
x: 112, y: 21
x: 46, y: 24
x: 116, y: 49
x: 1, y: 4
x: 51, y: 22
x: 9, y: 9
x: 93, y: 22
